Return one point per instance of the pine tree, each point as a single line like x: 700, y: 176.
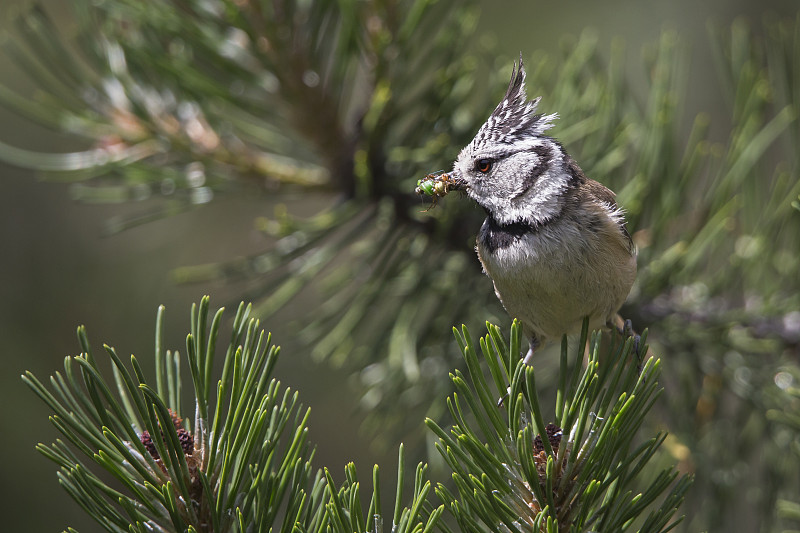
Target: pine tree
x: 182, y: 102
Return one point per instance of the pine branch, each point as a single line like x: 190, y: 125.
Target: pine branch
x: 244, y: 462
x: 347, y: 514
x: 244, y: 458
x: 513, y: 472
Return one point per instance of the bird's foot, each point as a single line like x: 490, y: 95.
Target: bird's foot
x: 627, y: 331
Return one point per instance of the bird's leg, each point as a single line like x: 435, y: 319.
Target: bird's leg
x: 625, y: 329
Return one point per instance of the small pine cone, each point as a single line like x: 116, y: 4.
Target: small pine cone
x: 553, y: 435
x: 539, y: 455
x: 540, y: 461
x: 187, y: 441
x: 176, y: 420
x: 147, y: 441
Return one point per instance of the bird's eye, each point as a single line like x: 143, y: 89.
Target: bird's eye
x: 483, y: 165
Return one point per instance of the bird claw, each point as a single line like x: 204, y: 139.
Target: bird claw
x: 637, y: 339
x: 627, y: 331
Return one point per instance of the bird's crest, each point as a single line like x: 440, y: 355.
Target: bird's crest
x: 515, y: 119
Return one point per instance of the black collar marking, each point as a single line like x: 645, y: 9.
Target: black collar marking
x: 494, y: 236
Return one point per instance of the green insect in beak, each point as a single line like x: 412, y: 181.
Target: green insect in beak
x: 435, y: 185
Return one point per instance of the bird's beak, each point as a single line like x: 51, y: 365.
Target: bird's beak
x: 456, y: 182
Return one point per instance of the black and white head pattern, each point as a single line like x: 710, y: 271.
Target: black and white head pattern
x: 511, y: 168
x: 514, y: 122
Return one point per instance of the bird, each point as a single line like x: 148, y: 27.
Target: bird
x: 554, y: 242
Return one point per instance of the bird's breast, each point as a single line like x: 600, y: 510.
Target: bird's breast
x: 552, y: 276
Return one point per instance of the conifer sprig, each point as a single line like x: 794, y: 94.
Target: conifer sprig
x: 514, y: 472
x: 347, y: 514
x: 244, y: 458
x: 242, y: 464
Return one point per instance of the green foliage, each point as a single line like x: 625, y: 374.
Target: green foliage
x: 246, y: 458
x: 347, y: 514
x: 580, y: 473
x: 244, y: 462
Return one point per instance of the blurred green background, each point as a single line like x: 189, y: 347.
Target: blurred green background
x: 58, y: 271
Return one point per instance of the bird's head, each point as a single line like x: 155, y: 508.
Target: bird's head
x: 514, y: 171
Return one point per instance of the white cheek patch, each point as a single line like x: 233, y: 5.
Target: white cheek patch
x: 542, y: 200
x: 540, y: 203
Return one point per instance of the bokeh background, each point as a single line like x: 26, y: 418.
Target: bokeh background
x: 58, y: 270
